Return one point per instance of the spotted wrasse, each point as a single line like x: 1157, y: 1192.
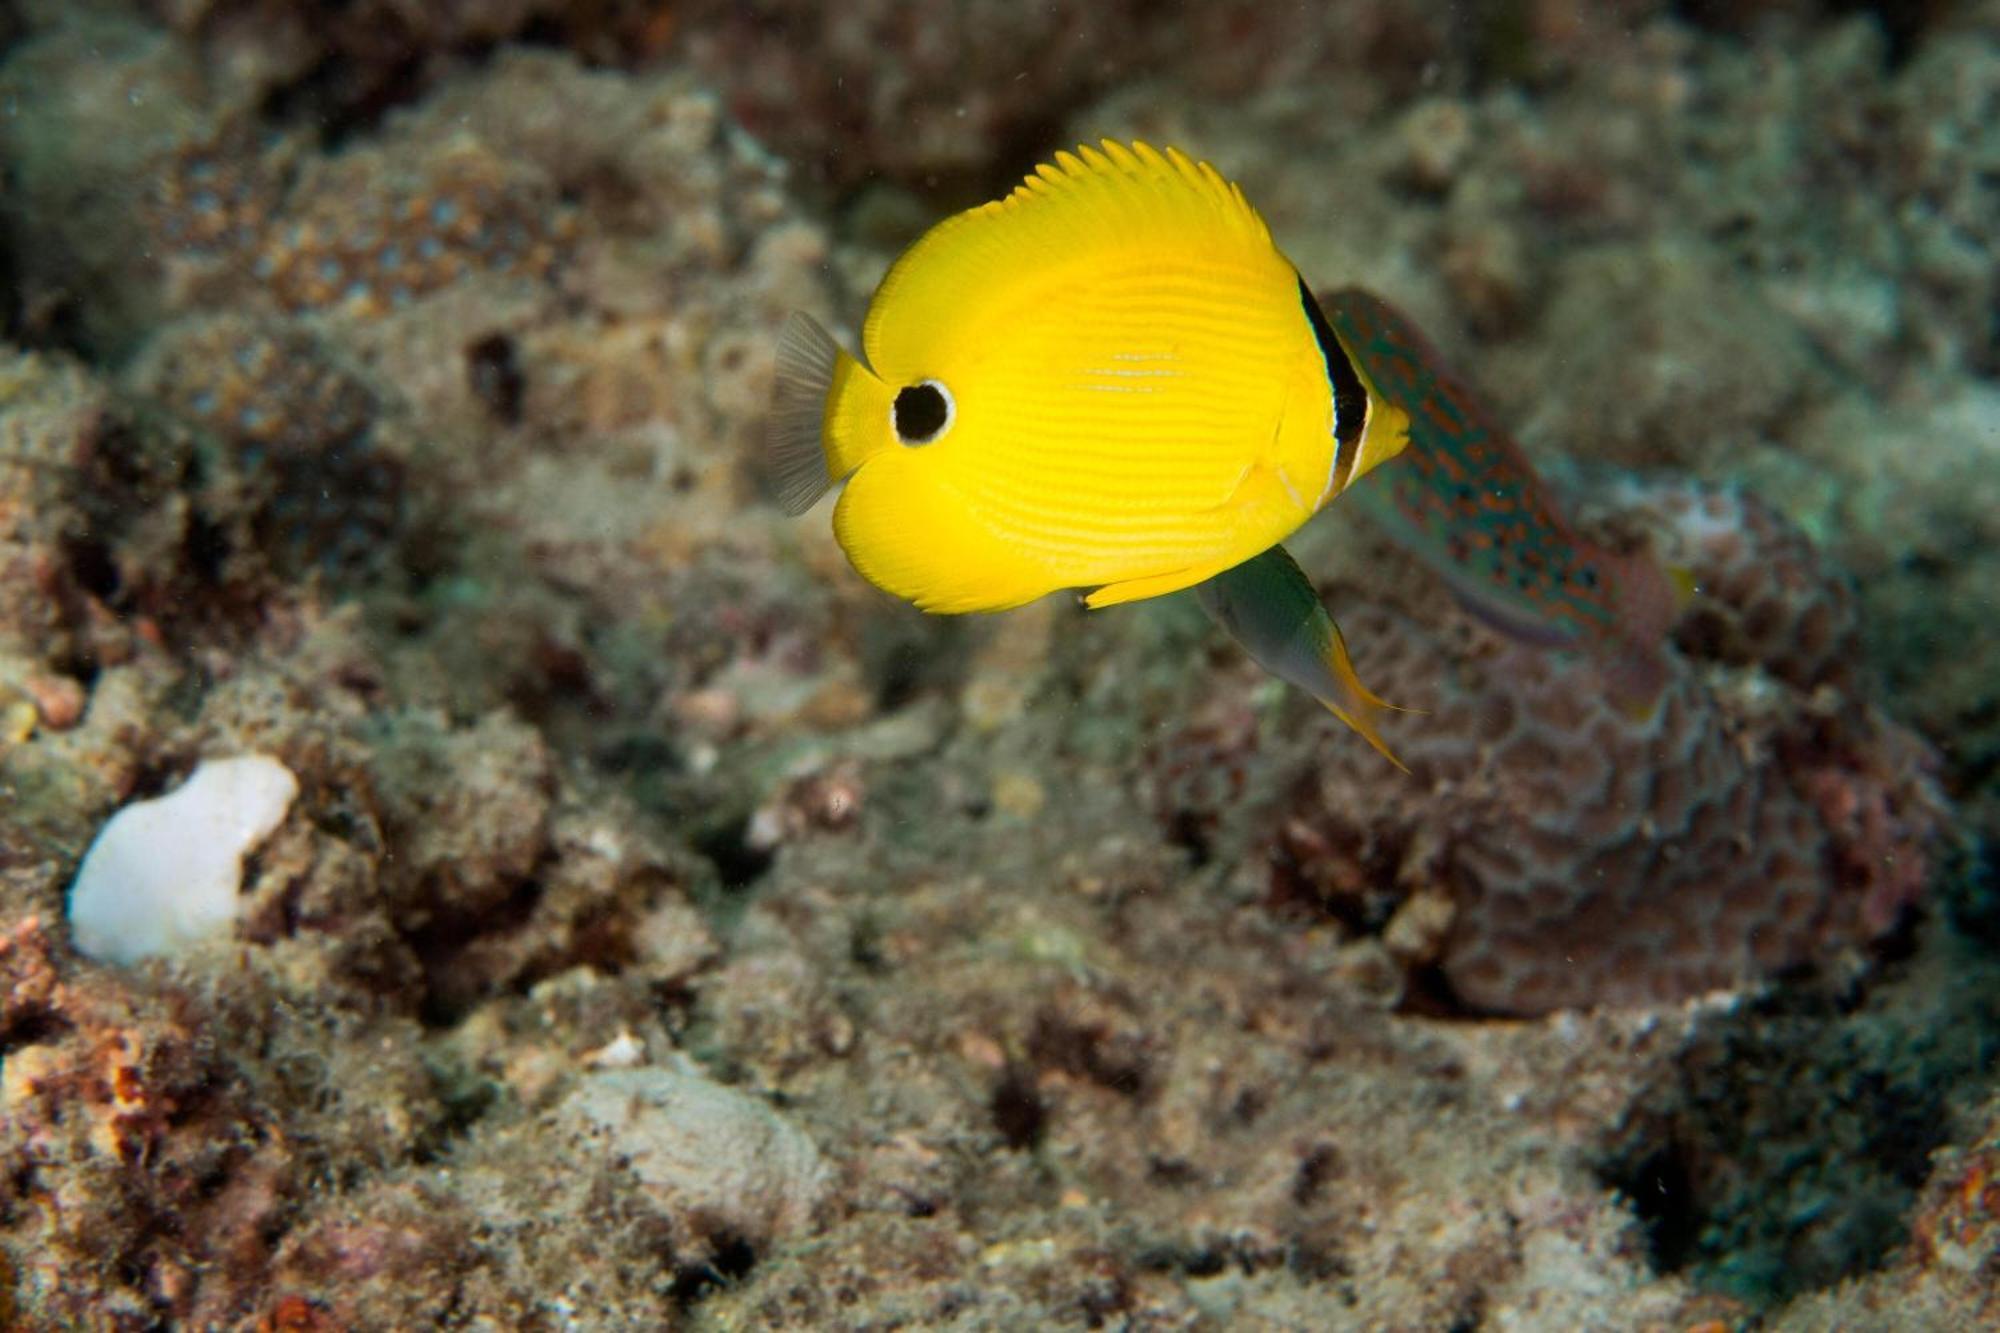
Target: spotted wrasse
x: 1463, y: 498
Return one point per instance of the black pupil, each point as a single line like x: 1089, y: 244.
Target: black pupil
x: 920, y: 412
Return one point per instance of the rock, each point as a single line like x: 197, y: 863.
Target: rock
x: 724, y: 1163
x: 165, y: 874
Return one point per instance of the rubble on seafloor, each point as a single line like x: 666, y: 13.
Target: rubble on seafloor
x: 667, y: 929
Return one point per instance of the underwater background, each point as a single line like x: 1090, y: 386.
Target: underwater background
x: 635, y: 920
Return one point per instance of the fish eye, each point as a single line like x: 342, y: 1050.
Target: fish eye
x: 922, y: 412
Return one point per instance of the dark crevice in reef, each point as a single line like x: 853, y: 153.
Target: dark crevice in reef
x: 1904, y: 23
x: 10, y: 276
x: 903, y: 659
x: 1659, y: 1186
x: 342, y: 99
x: 1784, y: 1150
x: 737, y: 864
x: 1428, y: 993
x: 1085, y: 1050
x: 31, y: 1026
x: 440, y: 945
x: 379, y: 61
x: 493, y: 372
x: 1019, y: 1113
x: 1975, y: 905
x: 466, y: 1099
x: 728, y: 1264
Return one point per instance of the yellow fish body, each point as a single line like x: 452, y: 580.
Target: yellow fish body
x: 1110, y: 379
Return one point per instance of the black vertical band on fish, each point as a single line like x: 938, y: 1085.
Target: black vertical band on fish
x: 1350, y: 396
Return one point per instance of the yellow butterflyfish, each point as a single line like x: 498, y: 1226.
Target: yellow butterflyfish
x: 1112, y: 379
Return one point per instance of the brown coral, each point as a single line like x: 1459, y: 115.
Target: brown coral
x: 1764, y: 597
x: 1755, y: 819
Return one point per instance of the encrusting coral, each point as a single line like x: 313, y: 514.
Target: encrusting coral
x: 306, y: 475
x: 394, y: 412
x: 1560, y: 850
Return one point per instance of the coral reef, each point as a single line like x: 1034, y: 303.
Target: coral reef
x: 1161, y: 1150
x: 873, y: 88
x: 1916, y: 514
x: 1951, y: 1254
x: 305, y: 475
x: 120, y: 1113
x: 359, y: 238
x: 1733, y: 1175
x: 670, y: 931
x: 1763, y: 596
x: 91, y: 519
x: 712, y: 1158
x: 1555, y: 849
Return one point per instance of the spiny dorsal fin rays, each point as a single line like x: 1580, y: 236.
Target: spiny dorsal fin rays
x: 1147, y: 179
x: 1139, y: 183
x: 970, y: 275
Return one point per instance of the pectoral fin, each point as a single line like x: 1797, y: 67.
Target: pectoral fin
x: 1269, y: 606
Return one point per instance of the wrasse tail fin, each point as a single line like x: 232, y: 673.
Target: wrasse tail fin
x: 1268, y: 605
x: 1649, y: 599
x: 807, y: 358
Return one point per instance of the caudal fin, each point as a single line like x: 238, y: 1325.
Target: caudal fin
x: 807, y: 356
x: 1649, y: 599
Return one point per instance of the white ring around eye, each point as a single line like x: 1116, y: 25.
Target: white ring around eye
x: 950, y: 414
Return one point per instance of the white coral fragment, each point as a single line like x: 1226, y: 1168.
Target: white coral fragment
x: 165, y: 874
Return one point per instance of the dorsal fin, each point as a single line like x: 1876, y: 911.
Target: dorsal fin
x: 968, y: 268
